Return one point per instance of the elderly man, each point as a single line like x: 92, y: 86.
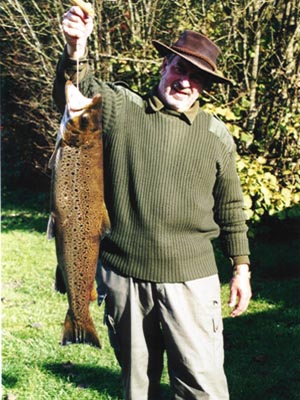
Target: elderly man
x: 171, y: 188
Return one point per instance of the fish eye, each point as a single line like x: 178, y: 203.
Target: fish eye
x: 84, y: 120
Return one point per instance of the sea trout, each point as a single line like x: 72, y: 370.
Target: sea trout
x: 78, y: 214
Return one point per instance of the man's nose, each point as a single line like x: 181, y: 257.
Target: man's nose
x: 184, y: 81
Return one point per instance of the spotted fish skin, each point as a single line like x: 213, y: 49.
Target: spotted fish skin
x: 78, y: 213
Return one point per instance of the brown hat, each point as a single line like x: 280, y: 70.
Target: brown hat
x: 198, y: 50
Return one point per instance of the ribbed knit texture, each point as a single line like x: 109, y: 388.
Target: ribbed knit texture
x: 169, y: 187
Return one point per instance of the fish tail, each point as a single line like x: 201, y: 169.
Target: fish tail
x: 76, y: 332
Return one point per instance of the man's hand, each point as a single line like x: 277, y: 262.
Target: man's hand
x: 77, y: 27
x: 240, y: 289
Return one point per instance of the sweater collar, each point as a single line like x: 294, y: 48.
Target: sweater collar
x: 157, y: 105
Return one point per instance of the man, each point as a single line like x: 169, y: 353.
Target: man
x: 171, y: 188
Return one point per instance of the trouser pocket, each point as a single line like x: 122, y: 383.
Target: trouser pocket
x: 112, y: 334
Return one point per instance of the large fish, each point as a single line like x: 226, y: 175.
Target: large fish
x: 78, y: 214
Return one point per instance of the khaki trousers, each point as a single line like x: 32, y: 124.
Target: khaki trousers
x: 145, y: 319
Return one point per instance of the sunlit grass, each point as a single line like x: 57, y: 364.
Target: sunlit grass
x: 35, y: 366
x: 262, y: 347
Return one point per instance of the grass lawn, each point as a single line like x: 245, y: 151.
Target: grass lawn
x: 262, y: 348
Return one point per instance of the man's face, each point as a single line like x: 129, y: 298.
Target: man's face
x: 180, y: 85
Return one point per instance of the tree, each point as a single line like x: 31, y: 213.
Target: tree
x: 30, y: 44
x: 261, y: 54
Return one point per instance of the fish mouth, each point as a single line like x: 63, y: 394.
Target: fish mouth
x: 74, y: 109
x: 75, y: 101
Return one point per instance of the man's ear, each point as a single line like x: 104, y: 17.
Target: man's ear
x: 164, y: 64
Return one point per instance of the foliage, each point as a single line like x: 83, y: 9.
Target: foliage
x: 271, y: 185
x: 263, y: 192
x: 261, y: 54
x: 30, y: 44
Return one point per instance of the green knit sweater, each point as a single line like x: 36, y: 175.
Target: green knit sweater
x: 170, y: 184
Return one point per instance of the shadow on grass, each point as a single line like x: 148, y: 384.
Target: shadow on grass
x: 26, y: 211
x: 262, y: 349
x: 23, y: 221
x: 97, y: 378
x: 274, y: 247
x: 9, y: 381
x: 262, y: 355
x: 103, y: 380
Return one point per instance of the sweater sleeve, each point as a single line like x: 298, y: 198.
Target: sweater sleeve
x: 66, y: 69
x: 229, y: 207
x: 114, y: 96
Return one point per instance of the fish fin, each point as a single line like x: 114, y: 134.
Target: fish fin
x: 94, y: 294
x: 75, y: 332
x: 60, y: 285
x: 51, y: 227
x: 51, y: 162
x: 105, y: 226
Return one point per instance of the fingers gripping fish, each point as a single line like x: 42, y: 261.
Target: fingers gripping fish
x: 78, y: 214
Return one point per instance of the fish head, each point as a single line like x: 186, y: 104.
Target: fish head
x: 82, y: 119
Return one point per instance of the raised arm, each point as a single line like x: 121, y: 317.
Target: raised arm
x: 77, y: 27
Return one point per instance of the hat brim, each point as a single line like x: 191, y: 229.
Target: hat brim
x: 214, y: 76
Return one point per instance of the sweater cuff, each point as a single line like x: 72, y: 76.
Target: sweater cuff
x: 238, y: 260
x: 68, y: 66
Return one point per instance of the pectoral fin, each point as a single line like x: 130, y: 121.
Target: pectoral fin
x: 51, y: 227
x: 51, y: 162
x: 105, y: 226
